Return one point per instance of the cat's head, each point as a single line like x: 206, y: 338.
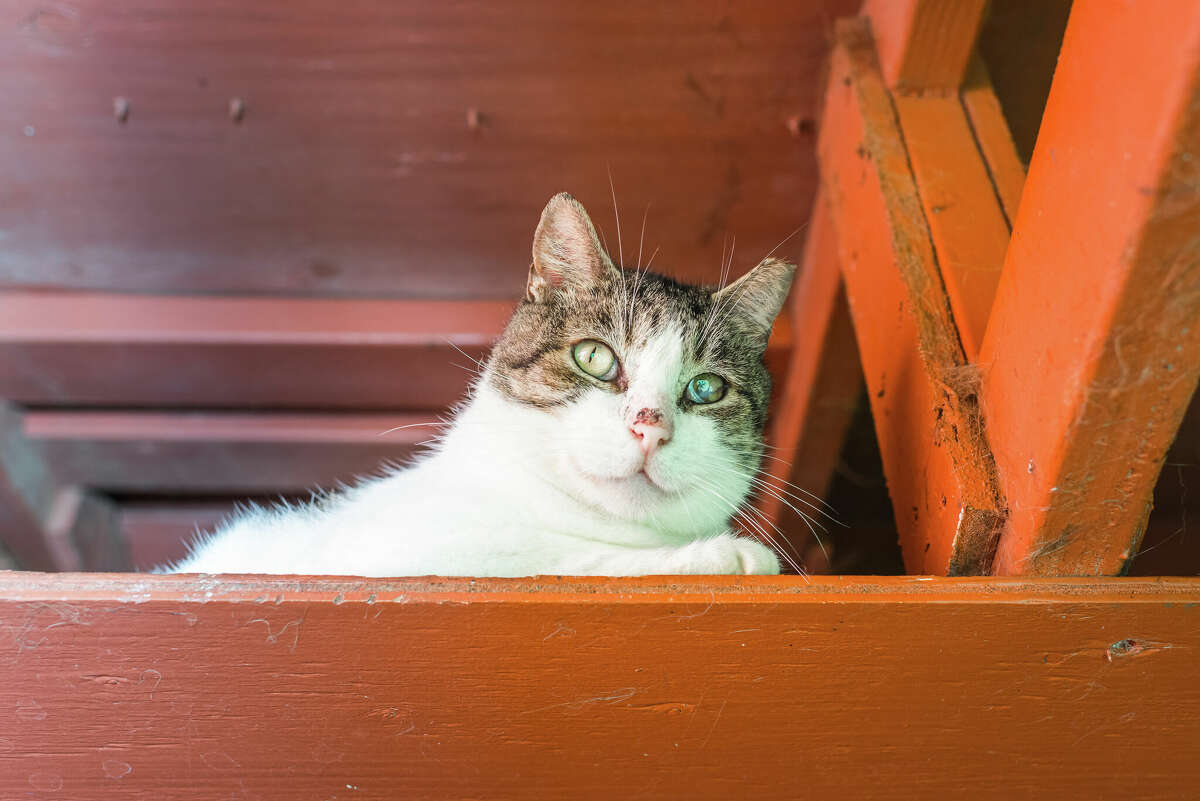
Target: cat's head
x: 650, y: 394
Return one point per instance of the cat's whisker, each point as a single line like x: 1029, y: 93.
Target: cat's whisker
x: 738, y: 512
x: 651, y: 259
x: 617, y: 214
x: 784, y: 241
x: 755, y: 480
x: 642, y: 237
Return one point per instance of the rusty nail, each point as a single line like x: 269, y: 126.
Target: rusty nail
x: 121, y: 109
x: 237, y: 109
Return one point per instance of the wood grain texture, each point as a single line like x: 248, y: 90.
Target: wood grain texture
x: 1089, y: 366
x: 401, y: 149
x: 962, y: 207
x: 229, y: 452
x: 924, y: 44
x: 990, y: 128
x: 815, y: 404
x: 936, y: 458
x: 305, y: 687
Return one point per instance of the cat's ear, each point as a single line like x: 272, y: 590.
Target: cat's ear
x: 758, y: 296
x: 566, y: 252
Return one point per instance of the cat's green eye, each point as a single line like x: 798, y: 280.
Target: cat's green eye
x: 706, y: 388
x: 596, y: 359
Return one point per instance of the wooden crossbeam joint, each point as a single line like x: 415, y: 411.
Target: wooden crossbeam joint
x: 923, y: 391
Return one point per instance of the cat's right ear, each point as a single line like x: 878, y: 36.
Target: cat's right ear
x: 566, y: 252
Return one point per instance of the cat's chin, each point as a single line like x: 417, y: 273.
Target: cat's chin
x: 638, y: 493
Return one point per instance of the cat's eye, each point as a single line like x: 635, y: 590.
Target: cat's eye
x: 596, y: 359
x: 706, y: 388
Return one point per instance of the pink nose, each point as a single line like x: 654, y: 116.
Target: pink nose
x: 651, y: 429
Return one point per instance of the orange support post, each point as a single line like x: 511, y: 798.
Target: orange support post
x: 1093, y: 349
x: 817, y: 399
x: 924, y: 44
x: 939, y: 468
x: 992, y: 133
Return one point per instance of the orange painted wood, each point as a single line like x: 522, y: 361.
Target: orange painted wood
x: 771, y: 688
x: 1093, y: 350
x: 962, y: 207
x: 96, y: 348
x: 940, y: 474
x: 221, y: 452
x: 924, y: 44
x: 817, y: 400
x: 990, y: 128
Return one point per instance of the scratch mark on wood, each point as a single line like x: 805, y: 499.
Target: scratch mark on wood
x: 623, y: 694
x: 713, y: 727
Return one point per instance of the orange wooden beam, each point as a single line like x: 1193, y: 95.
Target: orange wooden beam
x: 816, y: 400
x: 990, y: 129
x: 315, y: 687
x: 1093, y: 349
x: 961, y: 204
x: 938, y: 465
x: 924, y: 44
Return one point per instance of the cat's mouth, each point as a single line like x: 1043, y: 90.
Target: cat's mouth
x: 643, y: 476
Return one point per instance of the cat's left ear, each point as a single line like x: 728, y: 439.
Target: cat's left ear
x: 758, y: 296
x: 566, y: 252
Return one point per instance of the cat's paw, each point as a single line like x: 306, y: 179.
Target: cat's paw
x: 733, y: 555
x: 754, y: 558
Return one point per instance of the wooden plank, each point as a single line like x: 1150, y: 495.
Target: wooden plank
x: 1093, y: 350
x: 962, y: 206
x: 924, y: 44
x: 817, y: 400
x: 29, y: 494
x: 105, y: 349
x: 358, y: 168
x: 939, y: 468
x: 210, y: 452
x: 990, y: 127
x: 306, y: 687
x: 128, y: 350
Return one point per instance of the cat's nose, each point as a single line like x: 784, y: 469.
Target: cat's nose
x: 651, y: 429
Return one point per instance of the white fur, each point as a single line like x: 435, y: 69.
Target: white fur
x: 515, y: 491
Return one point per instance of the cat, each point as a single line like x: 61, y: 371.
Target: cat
x: 615, y: 429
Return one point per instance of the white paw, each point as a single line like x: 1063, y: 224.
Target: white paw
x: 754, y: 558
x: 733, y: 555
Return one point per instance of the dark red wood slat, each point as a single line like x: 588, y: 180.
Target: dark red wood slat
x: 142, y: 452
x: 104, y: 349
x: 144, y: 350
x: 357, y: 167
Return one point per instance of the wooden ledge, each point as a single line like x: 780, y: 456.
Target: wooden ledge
x: 292, y: 687
x: 18, y: 586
